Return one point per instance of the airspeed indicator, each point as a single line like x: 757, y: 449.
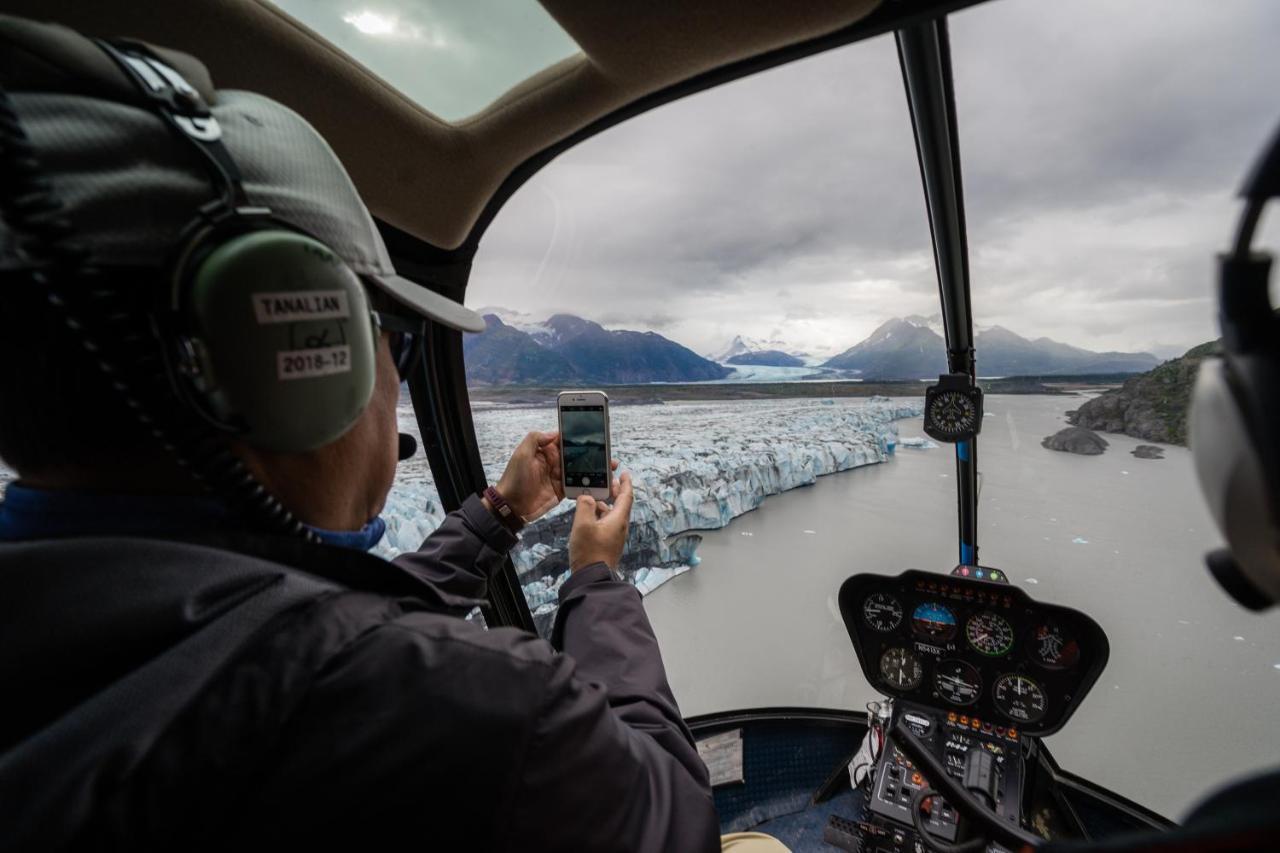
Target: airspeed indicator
x: 882, y: 612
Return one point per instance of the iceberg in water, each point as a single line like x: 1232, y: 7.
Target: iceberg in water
x: 695, y: 467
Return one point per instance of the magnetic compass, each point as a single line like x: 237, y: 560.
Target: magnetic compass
x: 953, y: 409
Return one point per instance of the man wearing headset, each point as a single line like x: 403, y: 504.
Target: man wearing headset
x: 188, y: 670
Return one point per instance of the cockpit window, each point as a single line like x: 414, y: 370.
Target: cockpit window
x: 708, y: 265
x: 1102, y: 145
x: 748, y: 274
x: 453, y: 59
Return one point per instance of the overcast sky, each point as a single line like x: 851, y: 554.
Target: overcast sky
x: 1101, y: 143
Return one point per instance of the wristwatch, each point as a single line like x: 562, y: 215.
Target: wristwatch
x: 507, y: 516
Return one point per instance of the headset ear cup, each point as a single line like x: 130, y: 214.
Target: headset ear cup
x: 288, y: 352
x: 1233, y: 477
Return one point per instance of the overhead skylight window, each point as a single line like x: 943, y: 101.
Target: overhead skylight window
x: 453, y: 59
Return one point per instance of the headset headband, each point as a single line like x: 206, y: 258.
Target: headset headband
x: 185, y: 111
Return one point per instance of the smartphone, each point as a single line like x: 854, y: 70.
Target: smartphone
x: 585, y: 448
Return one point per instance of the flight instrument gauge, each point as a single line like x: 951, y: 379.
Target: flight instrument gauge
x: 1019, y: 698
x: 1054, y: 648
x: 953, y: 408
x: 957, y: 682
x: 989, y: 633
x: 934, y: 620
x: 882, y: 611
x: 901, y: 668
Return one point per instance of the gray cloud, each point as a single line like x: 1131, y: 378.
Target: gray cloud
x: 1101, y: 144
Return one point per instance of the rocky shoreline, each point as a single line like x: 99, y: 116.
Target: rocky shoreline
x: 1151, y: 406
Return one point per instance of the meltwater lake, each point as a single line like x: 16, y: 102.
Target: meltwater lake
x: 1189, y: 696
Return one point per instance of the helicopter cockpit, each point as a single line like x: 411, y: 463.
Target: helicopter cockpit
x: 931, y: 678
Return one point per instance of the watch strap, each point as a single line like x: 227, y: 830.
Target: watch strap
x: 507, y: 516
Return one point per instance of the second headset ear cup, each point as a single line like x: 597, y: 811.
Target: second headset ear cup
x: 1233, y: 480
x: 284, y: 340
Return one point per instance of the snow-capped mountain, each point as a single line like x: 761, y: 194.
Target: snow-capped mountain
x: 913, y: 348
x: 520, y: 321
x: 742, y: 345
x: 565, y: 349
x: 900, y: 348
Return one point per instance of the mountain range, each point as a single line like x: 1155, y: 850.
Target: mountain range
x: 565, y: 349
x: 568, y: 350
x: 912, y: 348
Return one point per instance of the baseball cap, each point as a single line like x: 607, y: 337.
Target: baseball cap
x: 130, y: 187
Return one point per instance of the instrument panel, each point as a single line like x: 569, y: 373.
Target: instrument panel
x: 975, y: 647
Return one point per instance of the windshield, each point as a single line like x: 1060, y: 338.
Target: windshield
x: 748, y: 275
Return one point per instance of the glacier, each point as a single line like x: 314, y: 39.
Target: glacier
x: 695, y: 466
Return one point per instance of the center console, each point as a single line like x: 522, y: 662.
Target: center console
x: 955, y: 739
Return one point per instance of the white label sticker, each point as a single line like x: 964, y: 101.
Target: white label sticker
x: 300, y: 306
x: 306, y: 363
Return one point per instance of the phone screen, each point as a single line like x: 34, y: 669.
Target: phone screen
x: 585, y: 449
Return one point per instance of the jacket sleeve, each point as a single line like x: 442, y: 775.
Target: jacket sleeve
x: 611, y: 764
x: 461, y: 555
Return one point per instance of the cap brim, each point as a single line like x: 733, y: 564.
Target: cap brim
x: 428, y: 303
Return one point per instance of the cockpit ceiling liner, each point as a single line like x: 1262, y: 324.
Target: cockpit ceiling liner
x: 421, y: 174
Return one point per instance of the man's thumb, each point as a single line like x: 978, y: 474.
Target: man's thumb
x: 586, y: 511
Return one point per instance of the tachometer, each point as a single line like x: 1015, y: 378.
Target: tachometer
x: 989, y: 633
x: 882, y: 611
x: 901, y: 668
x: 957, y: 682
x: 1054, y: 648
x: 934, y: 620
x: 1020, y: 698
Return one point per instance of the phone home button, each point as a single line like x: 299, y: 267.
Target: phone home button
x: 586, y: 481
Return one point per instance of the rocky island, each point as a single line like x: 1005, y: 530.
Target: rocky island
x: 1074, y: 439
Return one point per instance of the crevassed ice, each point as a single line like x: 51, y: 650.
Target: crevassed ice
x: 695, y: 467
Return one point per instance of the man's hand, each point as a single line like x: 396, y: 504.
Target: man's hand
x: 532, y: 483
x: 599, y: 530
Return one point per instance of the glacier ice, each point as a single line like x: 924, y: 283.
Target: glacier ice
x: 695, y: 466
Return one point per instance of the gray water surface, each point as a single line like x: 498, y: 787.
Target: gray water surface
x: 1189, y: 696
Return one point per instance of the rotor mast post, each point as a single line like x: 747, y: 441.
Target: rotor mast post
x: 924, y: 54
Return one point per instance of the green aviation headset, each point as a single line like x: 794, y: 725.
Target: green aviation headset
x: 265, y: 333
x: 269, y: 334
